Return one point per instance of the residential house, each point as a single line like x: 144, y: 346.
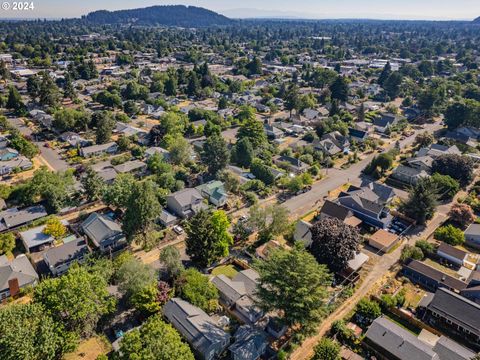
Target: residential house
x: 465, y: 135
x: 185, y: 203
x: 369, y: 203
x: 167, y: 219
x: 457, y: 256
x: 13, y: 217
x: 42, y: 118
x: 293, y: 164
x: 303, y: 233
x: 20, y: 162
x: 358, y: 135
x: 15, y: 274
x: 384, y: 122
x: 472, y: 291
x: 157, y: 150
x: 332, y: 209
x: 97, y: 150
x: 214, y: 191
x: 36, y: 240
x: 74, y: 139
x: 250, y: 343
x: 273, y: 132
x: 104, y: 233
x: 453, y: 314
x: 409, y: 175
x: 238, y: 294
x: 205, y: 337
x: 131, y: 167
x: 390, y: 341
x: 431, y: 278
x: 472, y: 236
x: 341, y: 141
x: 59, y: 259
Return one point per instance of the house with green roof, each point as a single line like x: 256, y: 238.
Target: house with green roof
x: 214, y: 191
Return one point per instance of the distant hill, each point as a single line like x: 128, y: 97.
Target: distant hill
x: 169, y: 15
x: 477, y: 20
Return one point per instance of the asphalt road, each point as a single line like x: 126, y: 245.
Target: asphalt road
x: 302, y: 204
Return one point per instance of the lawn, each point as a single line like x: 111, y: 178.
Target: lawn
x: 89, y: 349
x: 227, y: 270
x: 442, y: 268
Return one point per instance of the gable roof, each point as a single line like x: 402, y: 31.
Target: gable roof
x: 335, y: 210
x: 19, y: 268
x: 435, y: 275
x: 448, y: 349
x: 452, y: 251
x: 456, y: 307
x: 69, y: 251
x: 194, y: 324
x: 250, y: 343
x: 186, y: 196
x: 399, y: 342
x: 99, y: 227
x: 13, y: 217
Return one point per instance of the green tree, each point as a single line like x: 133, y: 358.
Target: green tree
x: 105, y: 125
x: 294, y: 283
x: 339, y: 89
x: 154, y: 340
x: 49, y: 93
x: 270, y: 221
x: 28, y: 332
x: 77, y: 299
x: 7, y: 243
x: 459, y: 167
x: 180, y: 151
x: 208, y: 239
x: 215, y: 154
x: 262, y: 172
x: 412, y: 252
x: 421, y: 202
x: 14, y: 101
x: 119, y: 193
x: 55, y: 228
x: 424, y: 139
x: 334, y: 243
x: 195, y: 288
x: 446, y: 185
x: 386, y: 72
x: 93, y: 184
x: 392, y: 84
x: 327, y: 349
x: 252, y: 129
x: 142, y: 210
x: 450, y: 234
x: 170, y: 257
x: 367, y: 310
x: 243, y: 153
x: 292, y: 99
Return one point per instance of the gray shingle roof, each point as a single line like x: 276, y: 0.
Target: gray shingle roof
x: 457, y: 308
x: 67, y: 252
x: 398, y: 341
x: 99, y: 227
x: 13, y: 217
x: 450, y: 350
x: 250, y: 343
x: 19, y: 268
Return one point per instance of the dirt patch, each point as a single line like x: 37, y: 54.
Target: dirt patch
x: 89, y: 349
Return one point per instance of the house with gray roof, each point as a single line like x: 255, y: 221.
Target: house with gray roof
x: 409, y: 175
x: 15, y: 274
x: 14, y: 217
x: 185, y: 203
x: 21, y: 162
x: 391, y: 341
x: 472, y: 235
x: 205, y: 337
x: 238, y: 294
x: 369, y: 203
x: 165, y: 154
x: 97, y: 150
x: 35, y: 239
x: 104, y: 233
x: 293, y: 164
x: 132, y: 167
x: 60, y: 258
x: 250, y: 343
x: 454, y: 314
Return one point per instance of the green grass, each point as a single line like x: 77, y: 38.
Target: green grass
x: 227, y: 270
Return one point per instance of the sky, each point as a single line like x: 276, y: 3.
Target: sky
x: 312, y: 9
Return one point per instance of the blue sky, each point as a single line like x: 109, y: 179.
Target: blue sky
x: 379, y: 9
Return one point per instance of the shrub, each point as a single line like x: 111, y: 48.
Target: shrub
x: 450, y: 234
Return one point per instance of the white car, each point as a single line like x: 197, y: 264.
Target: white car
x: 178, y: 229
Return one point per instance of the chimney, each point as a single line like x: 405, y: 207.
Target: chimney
x: 13, y: 286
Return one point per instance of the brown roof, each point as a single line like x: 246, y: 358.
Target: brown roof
x: 452, y: 251
x: 384, y: 238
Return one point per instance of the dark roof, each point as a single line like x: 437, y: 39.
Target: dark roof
x: 457, y: 308
x: 13, y: 217
x: 72, y: 250
x: 448, y: 349
x: 335, y: 210
x: 435, y: 275
x: 399, y: 342
x: 452, y: 251
x: 100, y: 228
x: 357, y: 133
x: 19, y: 268
x: 250, y: 343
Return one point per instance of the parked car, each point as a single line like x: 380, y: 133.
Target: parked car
x: 178, y: 229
